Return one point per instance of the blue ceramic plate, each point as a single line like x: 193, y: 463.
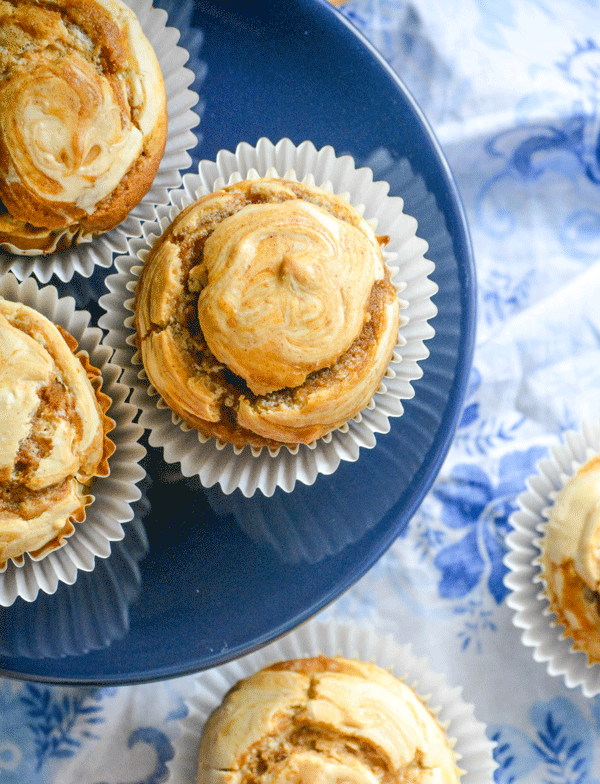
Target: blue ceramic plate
x: 213, y: 577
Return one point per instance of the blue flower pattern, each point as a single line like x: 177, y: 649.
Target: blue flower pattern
x: 569, y: 149
x: 471, y: 501
x: 160, y: 743
x: 463, y: 525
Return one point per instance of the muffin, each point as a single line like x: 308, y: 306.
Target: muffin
x: 265, y: 464
x: 53, y: 433
x: 570, y: 558
x: 83, y: 120
x: 265, y: 314
x: 323, y: 719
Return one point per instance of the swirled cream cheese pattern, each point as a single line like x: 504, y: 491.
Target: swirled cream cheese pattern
x: 82, y: 120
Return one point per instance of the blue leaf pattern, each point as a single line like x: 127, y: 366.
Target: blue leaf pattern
x: 520, y: 124
x: 469, y: 415
x: 55, y: 723
x: 560, y: 748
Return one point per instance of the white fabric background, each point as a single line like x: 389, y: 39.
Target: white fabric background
x: 512, y: 89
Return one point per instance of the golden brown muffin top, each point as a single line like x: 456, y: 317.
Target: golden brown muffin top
x: 571, y: 558
x: 266, y: 307
x: 80, y: 95
x: 321, y: 721
x: 572, y: 532
x: 52, y: 430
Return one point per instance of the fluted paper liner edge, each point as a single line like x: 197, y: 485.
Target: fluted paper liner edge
x: 262, y: 470
x: 114, y: 494
x: 527, y: 595
x: 472, y: 749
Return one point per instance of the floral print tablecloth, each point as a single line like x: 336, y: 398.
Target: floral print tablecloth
x: 512, y: 89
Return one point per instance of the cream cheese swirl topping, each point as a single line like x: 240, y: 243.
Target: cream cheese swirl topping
x: 69, y: 139
x: 83, y: 120
x: 573, y: 529
x: 24, y: 369
x: 324, y: 728
x: 57, y: 429
x: 287, y: 290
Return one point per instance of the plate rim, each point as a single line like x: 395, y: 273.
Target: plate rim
x: 440, y: 445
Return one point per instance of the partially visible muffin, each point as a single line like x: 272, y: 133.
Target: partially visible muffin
x: 265, y: 313
x: 53, y: 432
x: 83, y: 120
x: 570, y: 558
x: 323, y: 720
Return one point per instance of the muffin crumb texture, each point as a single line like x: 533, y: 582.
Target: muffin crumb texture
x: 53, y: 433
x: 570, y: 558
x: 324, y: 720
x: 265, y: 313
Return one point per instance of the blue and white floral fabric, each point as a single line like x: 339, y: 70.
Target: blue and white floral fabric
x: 512, y: 89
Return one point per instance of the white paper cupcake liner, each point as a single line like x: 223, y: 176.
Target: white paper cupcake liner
x: 87, y: 616
x: 114, y: 494
x: 99, y: 251
x: 251, y: 470
x: 473, y: 750
x: 527, y: 588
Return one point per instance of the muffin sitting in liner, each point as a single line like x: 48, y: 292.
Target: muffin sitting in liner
x: 265, y: 313
x: 83, y: 120
x: 324, y: 719
x: 570, y: 558
x: 53, y: 433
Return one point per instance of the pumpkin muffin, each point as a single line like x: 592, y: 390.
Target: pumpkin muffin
x: 53, y: 433
x: 265, y: 314
x: 324, y: 719
x: 83, y: 120
x: 570, y: 558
